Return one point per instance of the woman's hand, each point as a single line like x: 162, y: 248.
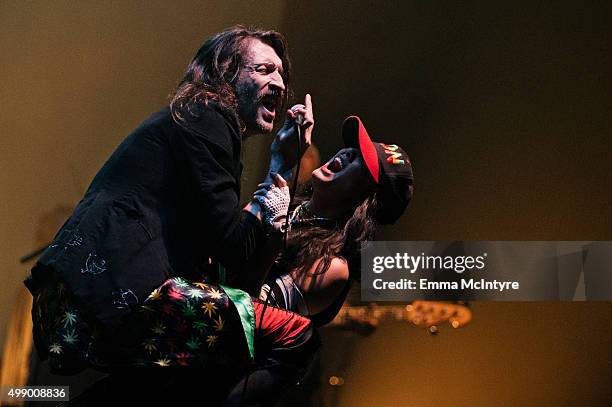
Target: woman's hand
x: 273, y: 199
x: 284, y: 147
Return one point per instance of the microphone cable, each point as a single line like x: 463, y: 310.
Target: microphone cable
x: 285, y: 234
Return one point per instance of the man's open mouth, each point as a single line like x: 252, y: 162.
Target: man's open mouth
x: 270, y: 102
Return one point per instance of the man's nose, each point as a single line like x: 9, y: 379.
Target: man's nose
x: 277, y: 81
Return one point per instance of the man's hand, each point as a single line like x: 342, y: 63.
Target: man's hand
x: 284, y: 146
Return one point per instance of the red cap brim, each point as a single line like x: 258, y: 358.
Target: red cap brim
x: 355, y: 135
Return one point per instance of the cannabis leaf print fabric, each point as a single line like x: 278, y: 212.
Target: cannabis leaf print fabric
x: 181, y: 323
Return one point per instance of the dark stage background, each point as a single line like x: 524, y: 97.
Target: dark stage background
x: 503, y: 107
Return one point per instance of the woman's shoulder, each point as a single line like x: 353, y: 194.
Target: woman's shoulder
x: 336, y: 274
x: 338, y: 271
x: 320, y: 290
x: 327, y: 300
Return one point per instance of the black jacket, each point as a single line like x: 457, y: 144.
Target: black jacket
x: 165, y: 202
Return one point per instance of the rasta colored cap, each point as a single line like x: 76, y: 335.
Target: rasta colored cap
x: 389, y: 166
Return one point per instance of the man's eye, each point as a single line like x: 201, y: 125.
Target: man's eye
x: 265, y: 69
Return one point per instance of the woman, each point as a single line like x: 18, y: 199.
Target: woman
x: 361, y: 186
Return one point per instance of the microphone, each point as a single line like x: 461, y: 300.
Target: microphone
x: 299, y: 119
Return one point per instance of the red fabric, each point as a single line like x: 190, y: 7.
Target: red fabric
x: 280, y: 328
x: 355, y: 135
x: 368, y: 151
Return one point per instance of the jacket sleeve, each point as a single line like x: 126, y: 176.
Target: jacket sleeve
x: 209, y: 158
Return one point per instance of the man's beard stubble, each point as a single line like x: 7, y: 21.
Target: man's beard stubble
x: 247, y: 101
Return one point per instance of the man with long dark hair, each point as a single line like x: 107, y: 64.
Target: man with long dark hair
x: 165, y: 206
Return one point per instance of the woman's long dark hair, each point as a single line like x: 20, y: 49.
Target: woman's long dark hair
x: 306, y: 243
x: 212, y: 73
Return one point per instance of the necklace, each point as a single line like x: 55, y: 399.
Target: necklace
x: 302, y: 215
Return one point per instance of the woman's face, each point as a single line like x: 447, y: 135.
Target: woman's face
x: 344, y: 179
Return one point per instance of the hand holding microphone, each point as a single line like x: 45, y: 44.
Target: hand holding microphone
x: 302, y: 114
x: 285, y: 143
x: 297, y: 113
